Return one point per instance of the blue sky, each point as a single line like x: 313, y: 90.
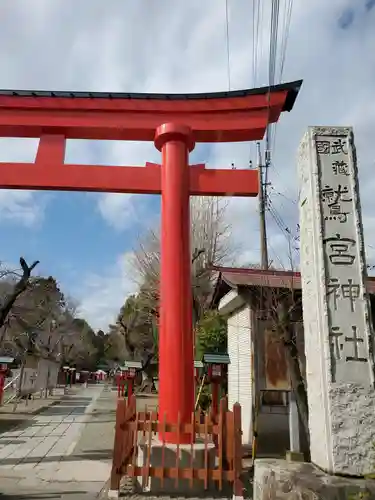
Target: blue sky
x: 86, y: 240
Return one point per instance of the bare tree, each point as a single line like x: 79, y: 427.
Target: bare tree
x: 42, y: 321
x: 210, y: 245
x: 16, y: 290
x: 34, y: 310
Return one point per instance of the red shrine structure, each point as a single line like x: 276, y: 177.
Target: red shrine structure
x: 175, y: 122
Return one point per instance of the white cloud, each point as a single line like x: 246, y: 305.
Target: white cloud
x: 102, y: 294
x: 117, y: 210
x: 146, y: 46
x: 20, y: 207
x: 122, y: 211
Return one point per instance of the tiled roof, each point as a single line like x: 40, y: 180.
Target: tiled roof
x: 235, y: 277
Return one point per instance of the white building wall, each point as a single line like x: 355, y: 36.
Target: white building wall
x: 240, y: 377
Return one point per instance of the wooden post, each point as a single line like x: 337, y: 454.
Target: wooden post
x: 130, y: 388
x: 2, y: 384
x: 215, y: 397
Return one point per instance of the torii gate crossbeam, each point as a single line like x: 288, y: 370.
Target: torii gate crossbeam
x: 175, y: 123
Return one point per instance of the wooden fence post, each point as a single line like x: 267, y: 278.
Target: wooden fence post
x: 225, y: 430
x: 118, y: 445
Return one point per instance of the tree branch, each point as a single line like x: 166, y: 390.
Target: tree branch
x: 128, y: 344
x: 18, y: 289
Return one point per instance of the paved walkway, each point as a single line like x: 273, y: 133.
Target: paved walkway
x: 45, y: 460
x: 12, y: 415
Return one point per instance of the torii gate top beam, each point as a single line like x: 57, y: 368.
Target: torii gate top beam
x: 55, y: 117
x: 233, y: 116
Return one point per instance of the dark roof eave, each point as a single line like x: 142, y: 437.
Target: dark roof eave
x: 292, y: 88
x: 293, y: 91
x: 241, y: 287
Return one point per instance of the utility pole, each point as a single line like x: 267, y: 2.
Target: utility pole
x: 262, y: 213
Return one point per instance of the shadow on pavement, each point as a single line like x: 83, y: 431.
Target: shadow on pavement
x: 4, y: 441
x: 146, y: 396
x: 8, y: 424
x: 31, y: 413
x: 41, y: 495
x: 75, y: 401
x: 63, y: 410
x: 57, y: 407
x: 85, y: 455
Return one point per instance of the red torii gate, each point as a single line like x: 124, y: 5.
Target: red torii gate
x: 175, y: 122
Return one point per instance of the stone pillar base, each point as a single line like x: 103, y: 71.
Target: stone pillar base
x: 186, y: 460
x: 279, y: 479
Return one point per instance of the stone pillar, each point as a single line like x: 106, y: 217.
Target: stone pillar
x: 337, y: 323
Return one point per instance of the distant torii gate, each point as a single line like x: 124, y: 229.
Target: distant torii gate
x: 175, y: 122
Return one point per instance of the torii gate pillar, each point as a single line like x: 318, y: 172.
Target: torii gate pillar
x: 176, y: 357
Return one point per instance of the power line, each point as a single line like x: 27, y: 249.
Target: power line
x: 274, y: 28
x: 257, y: 21
x: 288, y: 8
x: 270, y: 138
x: 286, y: 29
x: 287, y: 198
x: 257, y: 16
x: 277, y: 257
x: 227, y: 38
x: 284, y: 228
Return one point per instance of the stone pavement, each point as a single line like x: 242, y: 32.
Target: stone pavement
x: 12, y: 415
x: 65, y: 451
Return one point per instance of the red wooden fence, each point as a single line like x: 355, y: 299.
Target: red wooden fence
x: 224, y: 430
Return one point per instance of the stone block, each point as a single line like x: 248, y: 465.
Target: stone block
x: 185, y: 460
x: 283, y: 480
